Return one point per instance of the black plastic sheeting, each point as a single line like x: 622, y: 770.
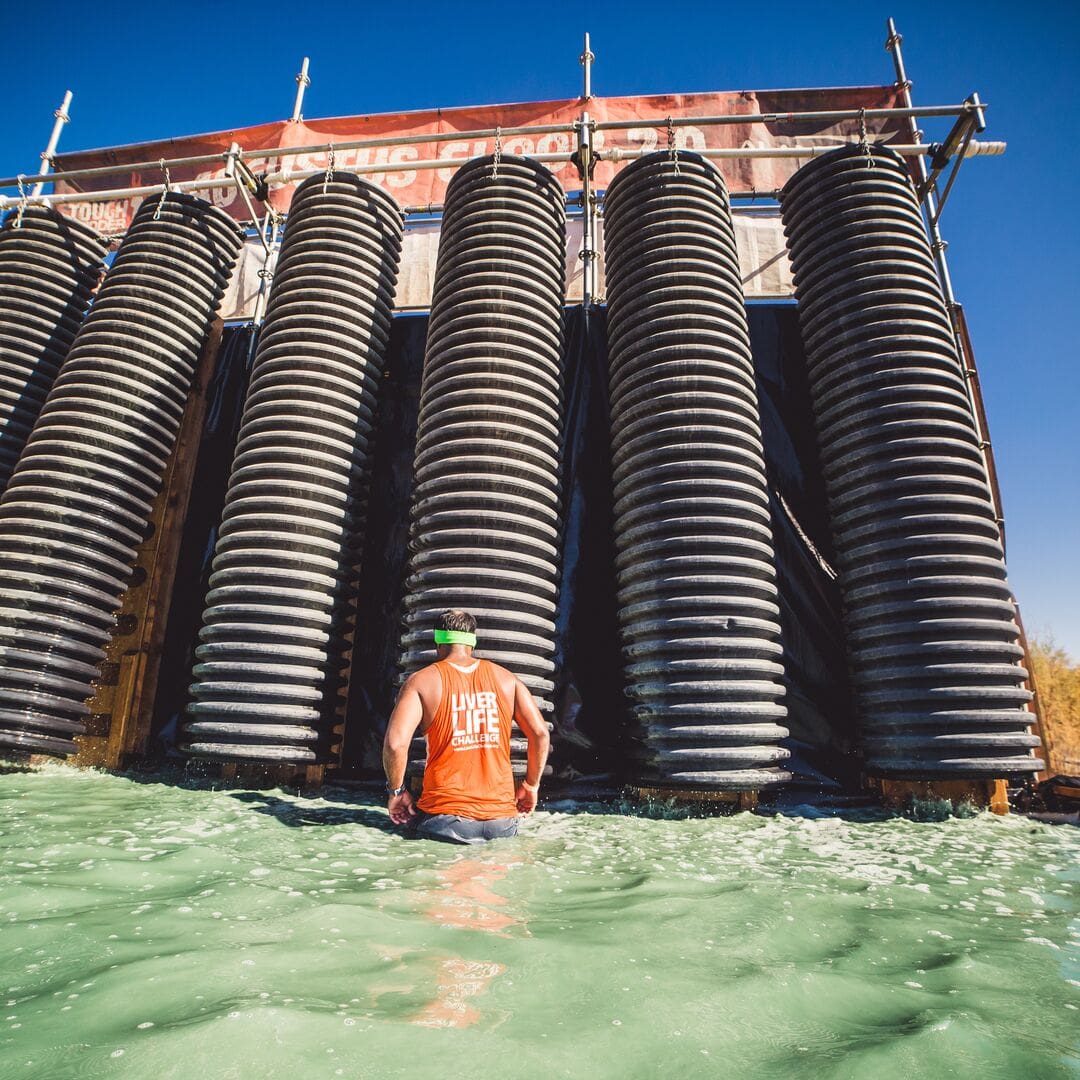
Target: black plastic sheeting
x: 591, y: 710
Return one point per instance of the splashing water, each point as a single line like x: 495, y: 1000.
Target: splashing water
x: 155, y: 931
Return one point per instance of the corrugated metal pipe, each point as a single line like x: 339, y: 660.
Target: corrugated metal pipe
x: 486, y: 515
x: 929, y: 616
x: 698, y: 608
x: 49, y: 268
x: 273, y: 646
x: 79, y: 501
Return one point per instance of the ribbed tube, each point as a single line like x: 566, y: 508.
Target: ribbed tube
x: 49, y: 267
x: 272, y: 646
x: 79, y: 500
x: 485, y: 517
x: 698, y: 613
x: 929, y: 616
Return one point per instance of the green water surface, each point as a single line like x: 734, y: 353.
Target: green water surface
x: 155, y: 931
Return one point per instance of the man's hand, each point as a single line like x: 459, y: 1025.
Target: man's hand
x: 401, y: 808
x: 404, y: 720
x: 527, y: 717
x: 526, y: 799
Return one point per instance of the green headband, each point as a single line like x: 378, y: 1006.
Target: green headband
x: 454, y: 637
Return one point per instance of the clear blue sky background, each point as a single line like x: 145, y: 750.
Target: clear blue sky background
x: 147, y: 71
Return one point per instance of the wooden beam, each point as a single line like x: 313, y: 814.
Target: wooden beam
x: 732, y: 801
x: 989, y: 795
x: 262, y: 777
x: 122, y: 708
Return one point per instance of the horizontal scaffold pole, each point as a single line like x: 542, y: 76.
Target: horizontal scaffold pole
x: 288, y: 176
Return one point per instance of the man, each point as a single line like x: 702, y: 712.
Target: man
x: 464, y: 706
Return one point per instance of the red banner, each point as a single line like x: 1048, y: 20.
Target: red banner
x: 416, y: 187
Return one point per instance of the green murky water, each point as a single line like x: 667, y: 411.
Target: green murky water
x: 151, y: 931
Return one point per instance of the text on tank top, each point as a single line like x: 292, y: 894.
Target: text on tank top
x: 468, y: 769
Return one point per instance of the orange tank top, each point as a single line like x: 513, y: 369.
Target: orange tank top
x: 468, y: 747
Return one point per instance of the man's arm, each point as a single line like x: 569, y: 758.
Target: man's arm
x: 404, y: 720
x: 528, y: 718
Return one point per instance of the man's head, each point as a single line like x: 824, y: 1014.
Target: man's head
x: 455, y: 628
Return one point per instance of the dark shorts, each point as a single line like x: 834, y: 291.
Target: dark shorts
x: 461, y: 830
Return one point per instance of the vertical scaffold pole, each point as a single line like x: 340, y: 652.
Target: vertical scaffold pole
x: 62, y: 117
x: 585, y: 161
x: 302, y: 83
x: 588, y: 213
x: 938, y: 247
x: 586, y: 59
x: 893, y: 45
x: 269, y: 233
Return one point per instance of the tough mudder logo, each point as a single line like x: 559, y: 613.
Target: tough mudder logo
x: 476, y: 720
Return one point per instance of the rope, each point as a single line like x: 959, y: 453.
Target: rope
x: 864, y: 139
x: 165, y: 190
x: 329, y: 175
x: 673, y: 149
x: 24, y: 201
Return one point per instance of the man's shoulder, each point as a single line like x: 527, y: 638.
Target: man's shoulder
x: 424, y: 677
x: 503, y: 676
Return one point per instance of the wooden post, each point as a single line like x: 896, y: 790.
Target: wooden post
x: 989, y: 795
x: 341, y: 707
x: 121, y: 710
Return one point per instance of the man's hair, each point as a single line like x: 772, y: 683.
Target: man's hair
x: 456, y: 620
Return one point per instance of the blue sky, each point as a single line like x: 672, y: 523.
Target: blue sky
x: 146, y: 71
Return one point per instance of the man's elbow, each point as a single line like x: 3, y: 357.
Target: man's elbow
x: 396, y: 742
x: 541, y: 738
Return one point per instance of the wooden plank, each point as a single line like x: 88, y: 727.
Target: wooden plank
x: 261, y: 777
x: 123, y: 704
x: 731, y: 800
x: 989, y: 795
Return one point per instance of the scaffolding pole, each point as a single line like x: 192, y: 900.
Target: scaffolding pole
x: 938, y: 246
x: 585, y: 161
x: 288, y: 176
x: 62, y: 117
x: 589, y: 254
x: 303, y: 81
x: 973, y: 149
x: 586, y: 59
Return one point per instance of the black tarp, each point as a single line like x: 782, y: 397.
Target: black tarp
x: 591, y: 713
